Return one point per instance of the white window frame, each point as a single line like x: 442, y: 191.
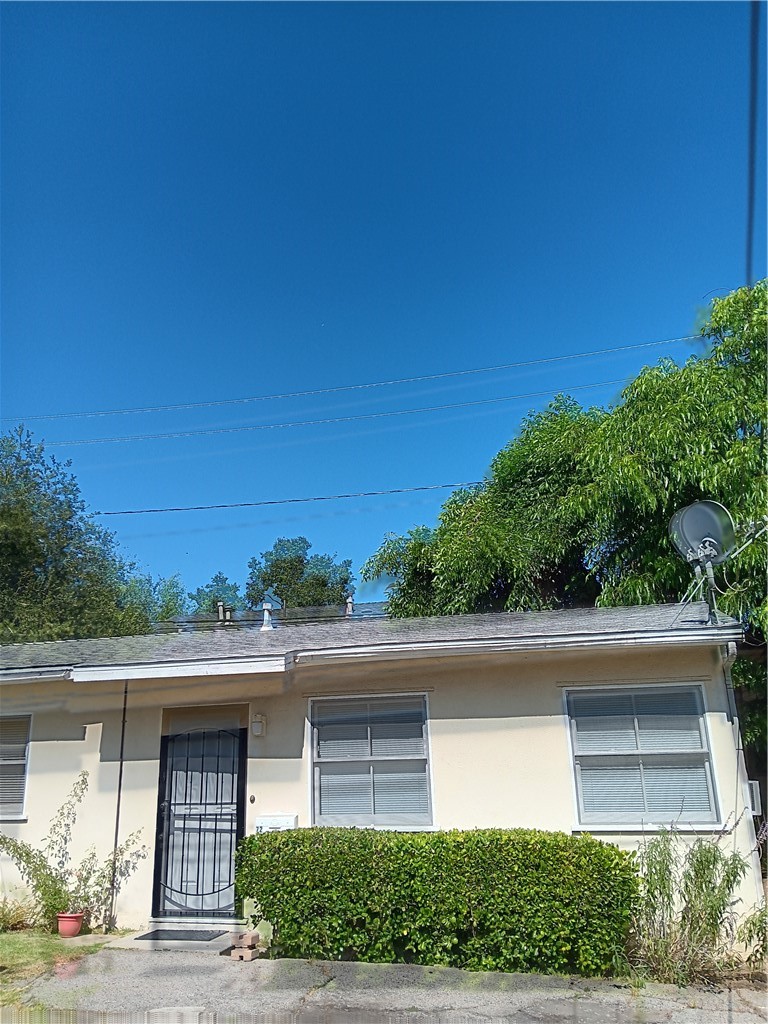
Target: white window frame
x: 6, y: 815
x: 403, y: 822
x: 624, y: 821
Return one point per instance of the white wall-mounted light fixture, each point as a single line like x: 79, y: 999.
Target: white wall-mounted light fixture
x: 259, y: 725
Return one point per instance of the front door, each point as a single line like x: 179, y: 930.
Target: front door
x: 201, y: 812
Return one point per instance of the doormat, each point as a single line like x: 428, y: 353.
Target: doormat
x: 181, y: 935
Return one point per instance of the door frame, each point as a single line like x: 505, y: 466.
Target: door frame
x: 160, y: 834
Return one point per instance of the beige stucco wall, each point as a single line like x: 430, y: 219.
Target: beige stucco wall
x: 498, y: 734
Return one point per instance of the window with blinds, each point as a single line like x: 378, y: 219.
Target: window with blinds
x: 370, y: 764
x: 14, y: 744
x: 641, y: 756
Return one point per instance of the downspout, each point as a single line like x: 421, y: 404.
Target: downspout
x: 113, y: 895
x: 728, y: 653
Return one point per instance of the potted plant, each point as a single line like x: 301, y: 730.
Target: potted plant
x: 69, y: 923
x: 68, y: 899
x: 83, y: 899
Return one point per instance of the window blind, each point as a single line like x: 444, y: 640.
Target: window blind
x: 370, y: 761
x: 14, y: 743
x: 641, y: 755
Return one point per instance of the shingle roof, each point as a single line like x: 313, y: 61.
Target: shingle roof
x: 250, y: 642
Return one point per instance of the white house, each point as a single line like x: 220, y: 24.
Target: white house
x: 609, y: 720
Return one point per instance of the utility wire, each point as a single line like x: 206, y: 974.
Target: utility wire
x: 754, y: 56
x: 350, y: 387
x: 286, y: 501
x: 327, y: 420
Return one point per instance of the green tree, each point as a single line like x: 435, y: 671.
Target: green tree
x: 160, y: 599
x: 575, y: 509
x: 297, y: 579
x: 61, y: 575
x: 205, y: 599
x: 508, y: 543
x: 680, y: 434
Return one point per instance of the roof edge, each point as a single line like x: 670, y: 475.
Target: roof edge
x: 36, y: 675
x: 708, y: 636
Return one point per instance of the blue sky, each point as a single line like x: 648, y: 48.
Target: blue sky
x: 212, y: 201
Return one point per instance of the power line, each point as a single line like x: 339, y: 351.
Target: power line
x: 286, y: 501
x: 325, y: 421
x: 754, y: 56
x: 348, y: 387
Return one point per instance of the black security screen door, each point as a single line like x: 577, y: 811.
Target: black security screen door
x: 199, y: 820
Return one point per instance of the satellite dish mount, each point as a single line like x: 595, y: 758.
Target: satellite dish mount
x: 704, y: 535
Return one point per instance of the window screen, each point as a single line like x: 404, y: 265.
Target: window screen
x: 641, y: 755
x: 370, y: 761
x: 14, y: 742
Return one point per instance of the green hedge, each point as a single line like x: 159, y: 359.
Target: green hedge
x: 490, y: 899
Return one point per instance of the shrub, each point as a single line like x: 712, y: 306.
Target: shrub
x: 49, y: 890
x: 58, y: 888
x: 684, y: 925
x: 490, y: 899
x: 753, y: 933
x: 16, y: 913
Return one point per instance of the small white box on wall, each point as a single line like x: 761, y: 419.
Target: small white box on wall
x: 275, y: 822
x: 754, y: 802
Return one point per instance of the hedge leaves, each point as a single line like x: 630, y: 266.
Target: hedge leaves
x: 490, y: 899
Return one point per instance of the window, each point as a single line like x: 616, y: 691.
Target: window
x: 641, y: 756
x: 14, y: 743
x: 370, y: 761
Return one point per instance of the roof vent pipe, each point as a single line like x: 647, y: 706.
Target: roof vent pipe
x: 220, y: 610
x: 267, y: 624
x: 350, y: 605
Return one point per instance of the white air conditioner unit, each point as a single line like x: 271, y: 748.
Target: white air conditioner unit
x: 755, y: 803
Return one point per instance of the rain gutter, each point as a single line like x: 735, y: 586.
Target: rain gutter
x: 707, y: 636
x: 36, y: 675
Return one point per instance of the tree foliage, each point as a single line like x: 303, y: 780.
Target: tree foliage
x: 61, y: 575
x: 508, y: 543
x: 160, y: 599
x: 297, y: 579
x: 680, y: 434
x: 575, y: 509
x: 220, y: 588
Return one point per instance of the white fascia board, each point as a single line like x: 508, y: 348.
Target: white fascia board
x: 707, y: 636
x: 179, y: 669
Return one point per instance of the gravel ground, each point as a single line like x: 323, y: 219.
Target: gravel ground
x: 117, y: 986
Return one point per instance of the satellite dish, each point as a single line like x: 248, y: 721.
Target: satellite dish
x: 703, y: 532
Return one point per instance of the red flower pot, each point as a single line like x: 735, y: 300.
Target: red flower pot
x: 69, y: 924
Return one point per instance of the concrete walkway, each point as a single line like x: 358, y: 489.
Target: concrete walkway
x: 144, y: 986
